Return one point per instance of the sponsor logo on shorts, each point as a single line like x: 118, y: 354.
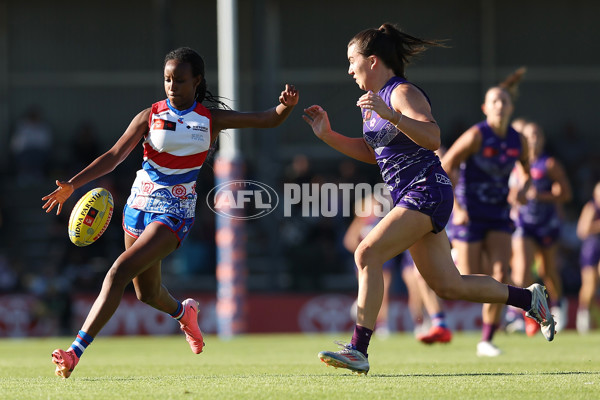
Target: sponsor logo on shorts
x: 444, y: 180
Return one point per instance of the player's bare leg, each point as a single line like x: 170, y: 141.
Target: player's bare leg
x: 155, y: 243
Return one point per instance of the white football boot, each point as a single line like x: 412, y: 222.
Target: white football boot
x: 540, y: 311
x: 348, y: 357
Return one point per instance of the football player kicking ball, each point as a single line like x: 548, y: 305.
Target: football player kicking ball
x: 160, y: 210
x: 401, y: 135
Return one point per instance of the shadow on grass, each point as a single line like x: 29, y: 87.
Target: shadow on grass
x: 467, y: 374
x: 120, y: 378
x: 244, y: 376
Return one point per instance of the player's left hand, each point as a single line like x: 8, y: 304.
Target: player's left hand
x: 58, y: 197
x: 372, y: 101
x: 289, y: 97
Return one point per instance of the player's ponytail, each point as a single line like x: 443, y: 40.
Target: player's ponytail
x: 394, y: 47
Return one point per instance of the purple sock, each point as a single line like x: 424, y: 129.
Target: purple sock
x: 487, y: 332
x: 361, y: 338
x: 519, y: 297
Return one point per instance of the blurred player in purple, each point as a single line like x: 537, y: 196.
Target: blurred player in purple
x: 400, y: 134
x: 538, y: 223
x: 483, y: 158
x: 588, y: 230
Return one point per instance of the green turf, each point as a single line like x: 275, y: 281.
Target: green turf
x: 287, y: 367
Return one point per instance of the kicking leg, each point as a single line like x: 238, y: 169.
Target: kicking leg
x: 155, y: 243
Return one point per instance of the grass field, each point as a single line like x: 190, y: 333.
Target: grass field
x: 287, y: 367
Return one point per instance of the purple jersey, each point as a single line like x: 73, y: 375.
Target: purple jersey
x: 402, y: 162
x: 534, y: 212
x: 413, y: 174
x: 482, y: 188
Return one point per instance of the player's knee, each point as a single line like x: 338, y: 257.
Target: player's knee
x: 117, y: 275
x: 365, y: 255
x: 114, y: 278
x: 360, y: 256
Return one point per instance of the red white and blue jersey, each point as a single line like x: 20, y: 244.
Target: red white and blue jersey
x: 175, y: 148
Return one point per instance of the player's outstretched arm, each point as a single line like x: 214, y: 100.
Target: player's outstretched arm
x: 102, y: 165
x: 356, y: 148
x: 271, y: 118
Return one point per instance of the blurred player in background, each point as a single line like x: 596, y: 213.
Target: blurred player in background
x: 588, y: 230
x: 439, y: 331
x: 538, y: 223
x: 177, y: 134
x: 483, y: 157
x: 401, y: 135
x: 514, y: 319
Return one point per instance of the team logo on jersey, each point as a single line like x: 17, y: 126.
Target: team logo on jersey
x: 513, y: 152
x: 367, y: 116
x: 490, y: 152
x: 163, y: 124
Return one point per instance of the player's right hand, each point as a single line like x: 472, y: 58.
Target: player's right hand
x: 58, y: 197
x: 318, y: 120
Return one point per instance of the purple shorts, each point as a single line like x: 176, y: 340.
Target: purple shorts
x: 590, y: 252
x: 544, y: 236
x: 476, y: 230
x: 135, y: 221
x: 432, y: 196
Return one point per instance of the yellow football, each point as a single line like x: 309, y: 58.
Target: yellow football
x: 90, y: 217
